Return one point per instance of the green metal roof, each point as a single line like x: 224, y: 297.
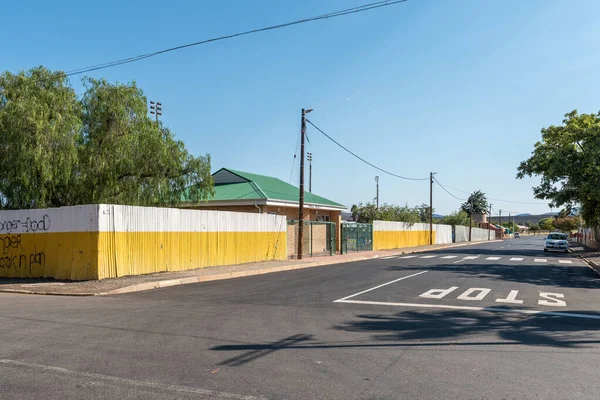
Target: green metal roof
x: 247, y: 186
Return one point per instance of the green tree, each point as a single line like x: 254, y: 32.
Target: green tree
x: 39, y: 129
x: 456, y: 218
x: 510, y: 225
x: 567, y: 224
x: 386, y: 212
x: 126, y: 158
x: 59, y: 150
x: 476, y: 203
x: 423, y: 211
x: 546, y: 224
x: 534, y: 228
x: 567, y: 159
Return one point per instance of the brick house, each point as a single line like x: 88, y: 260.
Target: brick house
x: 251, y: 193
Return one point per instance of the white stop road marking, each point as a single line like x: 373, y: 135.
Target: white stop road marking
x: 478, y: 294
x: 467, y: 295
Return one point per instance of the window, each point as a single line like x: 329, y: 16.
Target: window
x: 323, y: 218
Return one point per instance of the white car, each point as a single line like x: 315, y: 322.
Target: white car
x: 556, y: 241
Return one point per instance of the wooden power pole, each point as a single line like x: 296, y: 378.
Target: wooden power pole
x: 301, y: 197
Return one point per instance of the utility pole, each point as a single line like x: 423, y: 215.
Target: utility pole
x: 431, y: 207
x: 470, y: 218
x: 501, y: 228
x: 309, y: 158
x: 490, y: 223
x: 301, y: 197
x: 156, y: 109
x: 377, y: 192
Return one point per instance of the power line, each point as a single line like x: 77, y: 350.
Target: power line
x: 491, y: 198
x: 446, y: 190
x: 334, y: 14
x: 362, y: 159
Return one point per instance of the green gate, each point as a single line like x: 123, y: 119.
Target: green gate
x: 356, y: 237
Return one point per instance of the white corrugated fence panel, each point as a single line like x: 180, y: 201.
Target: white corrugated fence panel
x: 443, y: 234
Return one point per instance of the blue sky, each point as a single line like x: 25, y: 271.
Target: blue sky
x: 458, y: 87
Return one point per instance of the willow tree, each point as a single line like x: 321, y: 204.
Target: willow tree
x: 126, y: 158
x: 57, y: 149
x: 40, y: 126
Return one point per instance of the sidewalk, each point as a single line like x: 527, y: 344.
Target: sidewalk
x: 590, y: 256
x: 153, y: 281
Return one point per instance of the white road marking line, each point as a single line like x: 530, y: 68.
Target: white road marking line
x: 470, y: 308
x: 130, y: 382
x: 427, y: 256
x: 493, y: 258
x: 470, y: 257
x: 456, y: 262
x: 449, y: 256
x: 516, y: 259
x: 379, y: 286
x: 388, y: 257
x: 565, y: 261
x: 540, y: 260
x: 407, y: 257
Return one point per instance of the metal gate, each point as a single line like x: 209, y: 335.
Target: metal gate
x: 318, y: 238
x: 356, y: 237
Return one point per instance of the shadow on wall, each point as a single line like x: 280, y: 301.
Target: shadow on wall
x: 435, y: 329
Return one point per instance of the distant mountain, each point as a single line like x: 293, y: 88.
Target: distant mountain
x: 522, y: 218
x: 438, y: 216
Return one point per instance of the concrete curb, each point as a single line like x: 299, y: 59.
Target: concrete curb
x: 138, y: 287
x: 595, y: 267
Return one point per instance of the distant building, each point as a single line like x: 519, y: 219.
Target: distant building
x: 480, y: 218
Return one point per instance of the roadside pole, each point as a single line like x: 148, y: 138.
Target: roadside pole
x: 431, y: 208
x: 301, y: 195
x: 470, y: 219
x: 490, y: 223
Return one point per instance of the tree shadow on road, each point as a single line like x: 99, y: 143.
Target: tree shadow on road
x: 532, y: 330
x: 437, y: 329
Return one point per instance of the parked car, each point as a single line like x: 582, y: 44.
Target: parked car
x: 556, y: 241
x: 517, y: 235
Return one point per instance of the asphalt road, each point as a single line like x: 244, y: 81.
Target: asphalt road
x: 498, y: 320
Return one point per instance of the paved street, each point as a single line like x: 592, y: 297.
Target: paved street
x: 498, y: 320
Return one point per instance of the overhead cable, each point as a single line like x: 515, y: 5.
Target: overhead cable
x: 335, y: 14
x: 362, y: 159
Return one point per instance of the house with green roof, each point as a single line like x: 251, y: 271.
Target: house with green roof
x: 252, y: 193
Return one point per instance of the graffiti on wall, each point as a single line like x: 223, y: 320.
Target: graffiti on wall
x: 26, y: 226
x: 16, y: 254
